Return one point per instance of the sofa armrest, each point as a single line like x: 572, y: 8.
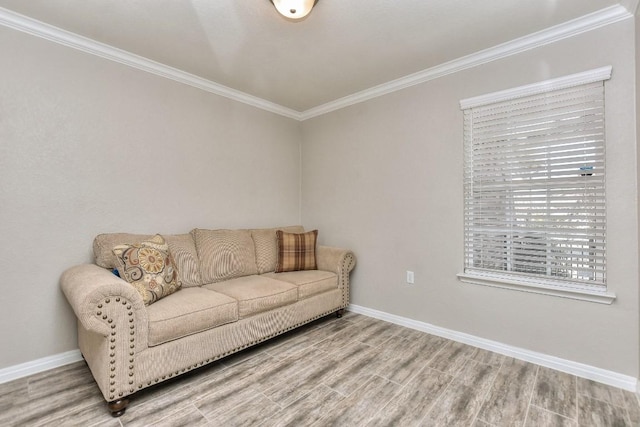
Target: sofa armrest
x: 339, y: 261
x: 104, y: 303
x: 335, y: 259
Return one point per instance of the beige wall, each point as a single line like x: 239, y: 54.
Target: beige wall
x: 384, y: 177
x: 89, y: 146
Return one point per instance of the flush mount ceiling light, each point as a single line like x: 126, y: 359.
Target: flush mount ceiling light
x: 294, y: 9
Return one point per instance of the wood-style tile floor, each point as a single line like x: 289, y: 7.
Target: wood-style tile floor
x: 354, y: 371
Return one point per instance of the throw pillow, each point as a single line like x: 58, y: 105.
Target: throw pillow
x: 266, y: 245
x: 149, y: 267
x: 296, y: 251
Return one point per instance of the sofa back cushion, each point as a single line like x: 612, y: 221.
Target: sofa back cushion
x: 267, y: 248
x: 181, y: 246
x: 183, y: 250
x: 224, y: 254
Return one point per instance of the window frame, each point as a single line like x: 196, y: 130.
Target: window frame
x: 541, y: 284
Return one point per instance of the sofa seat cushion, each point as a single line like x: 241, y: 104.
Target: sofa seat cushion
x: 256, y: 294
x: 189, y: 311
x: 309, y: 282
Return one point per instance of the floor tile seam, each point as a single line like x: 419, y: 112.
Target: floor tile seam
x: 413, y: 375
x: 471, y: 359
x: 305, y: 334
x: 555, y: 413
x: 250, y: 371
x: 253, y: 356
x: 610, y: 404
x: 274, y: 353
x: 320, y: 422
x: 177, y: 409
x: 182, y: 390
x: 99, y: 405
x: 78, y: 388
x: 349, y: 365
x: 101, y: 422
x: 70, y: 368
x: 628, y: 416
x: 437, y: 399
x: 388, y: 339
x: 575, y: 379
x: 295, y: 372
x: 201, y: 413
x: 209, y: 394
x: 280, y: 407
x: 309, y: 370
x: 85, y: 403
x: 533, y: 389
x: 388, y: 379
x: 487, y: 392
x: 344, y: 396
x: 453, y: 374
x: 416, y: 370
x: 304, y: 396
x: 400, y: 390
x: 385, y: 404
x: 233, y: 408
x: 622, y: 406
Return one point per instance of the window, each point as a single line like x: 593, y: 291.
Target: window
x: 534, y: 188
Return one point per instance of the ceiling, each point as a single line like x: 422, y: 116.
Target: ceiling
x: 341, y: 48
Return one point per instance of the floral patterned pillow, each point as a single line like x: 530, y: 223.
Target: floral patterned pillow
x: 149, y: 267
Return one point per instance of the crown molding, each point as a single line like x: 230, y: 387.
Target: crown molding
x: 37, y: 28
x: 568, y: 29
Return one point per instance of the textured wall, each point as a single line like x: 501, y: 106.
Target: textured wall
x: 90, y: 146
x: 384, y: 178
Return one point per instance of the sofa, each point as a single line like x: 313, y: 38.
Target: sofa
x: 225, y: 295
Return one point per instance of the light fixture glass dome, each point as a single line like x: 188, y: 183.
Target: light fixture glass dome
x: 294, y: 9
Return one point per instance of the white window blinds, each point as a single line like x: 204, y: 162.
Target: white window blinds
x: 534, y: 178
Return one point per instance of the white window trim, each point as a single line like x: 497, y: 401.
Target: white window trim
x: 591, y: 76
x: 539, y: 285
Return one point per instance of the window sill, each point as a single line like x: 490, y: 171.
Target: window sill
x: 582, y: 293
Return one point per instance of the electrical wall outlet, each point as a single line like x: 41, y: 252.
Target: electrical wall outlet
x: 410, y: 277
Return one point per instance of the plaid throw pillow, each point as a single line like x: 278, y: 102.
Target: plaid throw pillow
x: 296, y: 251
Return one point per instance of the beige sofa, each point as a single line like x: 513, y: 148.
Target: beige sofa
x: 129, y: 346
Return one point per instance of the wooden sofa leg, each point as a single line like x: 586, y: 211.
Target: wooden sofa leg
x: 339, y: 313
x: 117, y: 407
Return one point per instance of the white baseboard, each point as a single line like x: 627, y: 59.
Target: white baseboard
x: 35, y: 366
x: 578, y: 369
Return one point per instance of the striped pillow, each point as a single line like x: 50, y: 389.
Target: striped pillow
x: 296, y: 251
